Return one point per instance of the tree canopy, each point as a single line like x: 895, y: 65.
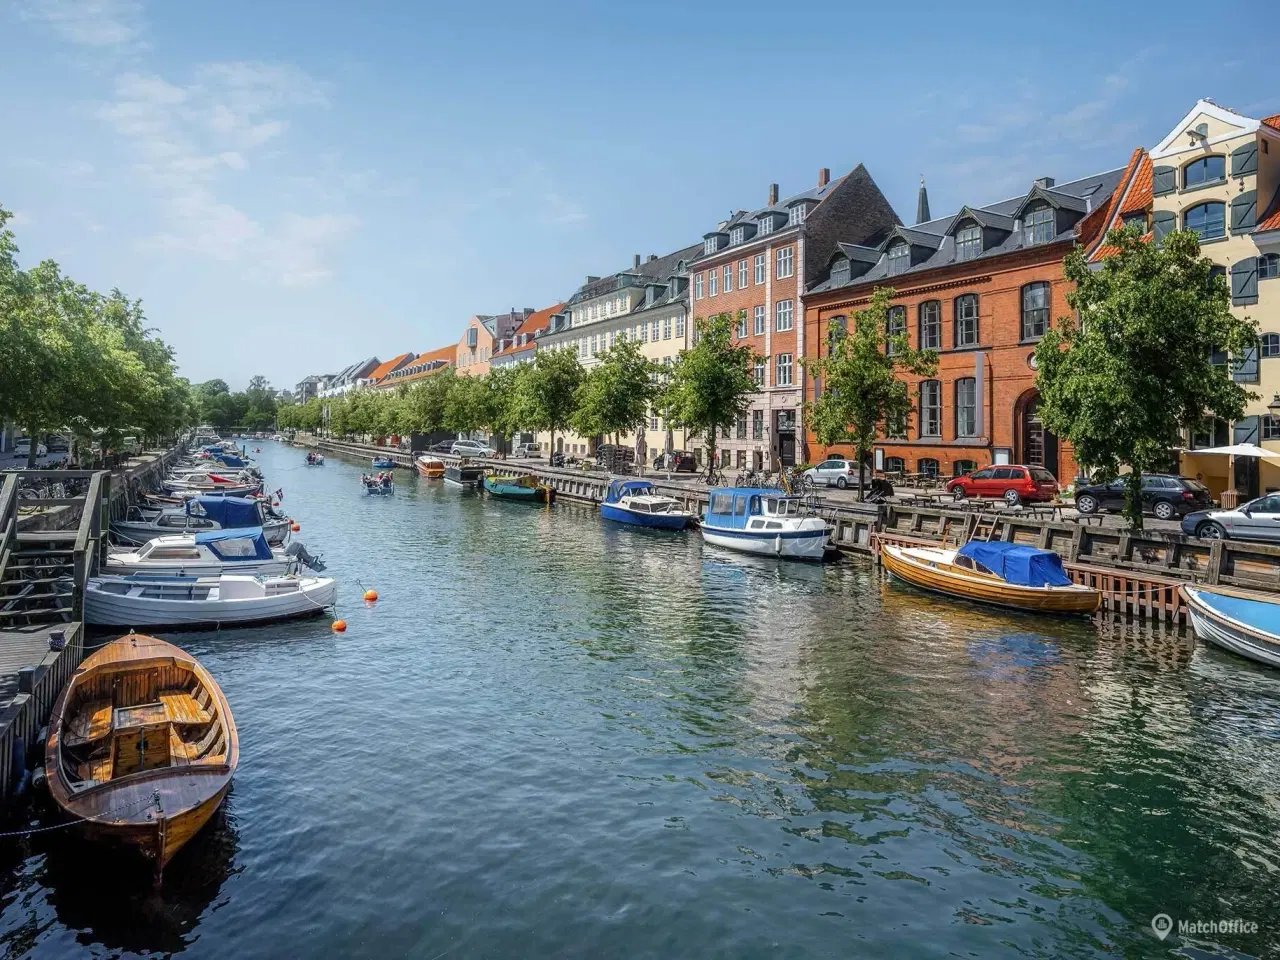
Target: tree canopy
x: 1138, y: 368
x: 861, y: 394
x: 616, y: 394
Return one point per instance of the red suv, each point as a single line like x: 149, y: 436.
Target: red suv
x: 1013, y: 484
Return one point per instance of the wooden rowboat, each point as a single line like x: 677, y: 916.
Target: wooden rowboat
x: 1002, y: 574
x: 429, y: 467
x: 141, y: 746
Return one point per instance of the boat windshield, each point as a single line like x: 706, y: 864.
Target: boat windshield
x: 781, y: 507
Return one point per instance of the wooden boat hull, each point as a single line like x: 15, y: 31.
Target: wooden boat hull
x: 989, y: 591
x: 153, y: 810
x: 657, y: 521
x: 430, y: 471
x: 1231, y: 633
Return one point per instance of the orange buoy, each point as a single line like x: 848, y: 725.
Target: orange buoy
x: 371, y: 595
x: 295, y: 527
x: 339, y: 626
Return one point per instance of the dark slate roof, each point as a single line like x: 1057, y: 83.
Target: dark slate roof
x: 782, y: 208
x: 660, y: 269
x: 1088, y: 191
x: 857, y: 252
x: 917, y: 238
x: 985, y: 218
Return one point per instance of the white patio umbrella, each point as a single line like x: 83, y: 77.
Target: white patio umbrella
x: 1236, y: 450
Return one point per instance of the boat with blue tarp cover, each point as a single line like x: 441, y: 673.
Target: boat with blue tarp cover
x: 762, y: 521
x: 239, y: 550
x: 638, y: 502
x: 1247, y: 625
x: 201, y: 513
x: 996, y: 572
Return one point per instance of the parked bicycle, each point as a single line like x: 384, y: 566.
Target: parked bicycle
x: 796, y: 482
x: 754, y: 478
x: 711, y: 476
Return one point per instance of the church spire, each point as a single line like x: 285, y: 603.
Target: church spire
x: 922, y: 203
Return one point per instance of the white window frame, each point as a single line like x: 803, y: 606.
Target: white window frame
x: 765, y: 226
x: 782, y: 371
x: 742, y: 327
x: 798, y: 213
x: 742, y: 274
x: 709, y: 245
x: 666, y: 328
x: 680, y: 326
x: 761, y: 372
x: 783, y: 319
x: 713, y: 282
x: 726, y: 281
x: 697, y: 286
x: 760, y: 268
x: 759, y: 320
x: 786, y: 262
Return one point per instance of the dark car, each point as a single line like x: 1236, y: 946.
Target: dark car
x: 1163, y: 494
x: 1013, y: 483
x: 444, y: 446
x: 677, y: 461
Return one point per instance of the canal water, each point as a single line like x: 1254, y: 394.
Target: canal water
x: 554, y: 737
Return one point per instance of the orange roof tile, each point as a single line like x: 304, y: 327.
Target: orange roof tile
x: 1271, y: 217
x: 1131, y: 196
x: 1273, y: 122
x: 448, y: 353
x: 383, y: 369
x: 537, y: 321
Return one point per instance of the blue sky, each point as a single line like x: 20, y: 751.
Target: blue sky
x: 290, y: 186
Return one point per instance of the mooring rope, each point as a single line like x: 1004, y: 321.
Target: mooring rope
x: 153, y: 799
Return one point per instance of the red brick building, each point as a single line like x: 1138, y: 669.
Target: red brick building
x: 980, y: 287
x: 758, y: 263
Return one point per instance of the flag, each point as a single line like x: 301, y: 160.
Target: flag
x: 280, y: 493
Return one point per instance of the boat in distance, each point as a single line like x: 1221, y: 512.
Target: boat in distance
x: 463, y: 474
x: 379, y: 485
x: 432, y: 468
x: 764, y: 522
x: 141, y: 746
x: 527, y: 489
x: 1248, y: 626
x: 1002, y: 574
x: 142, y: 601
x: 383, y: 463
x: 637, y: 502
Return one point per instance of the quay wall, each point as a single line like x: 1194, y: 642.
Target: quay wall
x: 1138, y: 572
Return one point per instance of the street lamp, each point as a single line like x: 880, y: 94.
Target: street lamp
x: 1274, y: 405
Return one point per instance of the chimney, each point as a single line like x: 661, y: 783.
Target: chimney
x: 636, y: 265
x: 652, y: 257
x: 773, y: 194
x: 824, y: 176
x: 1044, y: 182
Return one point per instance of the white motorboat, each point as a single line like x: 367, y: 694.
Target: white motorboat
x: 239, y: 485
x: 143, y: 601
x: 765, y: 522
x: 209, y: 553
x: 143, y: 523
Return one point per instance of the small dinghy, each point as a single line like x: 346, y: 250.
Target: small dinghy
x: 638, y: 502
x: 1248, y: 626
x: 429, y: 467
x: 995, y: 572
x: 141, y: 746
x: 383, y: 463
x: 237, y: 550
x: 315, y: 459
x: 527, y: 489
x: 379, y: 485
x: 142, y: 601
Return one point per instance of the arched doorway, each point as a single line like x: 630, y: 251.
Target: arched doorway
x: 1036, y: 446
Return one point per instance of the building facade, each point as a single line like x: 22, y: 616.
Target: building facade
x: 755, y: 267
x: 481, y: 336
x: 521, y: 345
x: 423, y: 365
x: 980, y: 287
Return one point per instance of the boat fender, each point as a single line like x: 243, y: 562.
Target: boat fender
x: 39, y: 779
x: 777, y: 545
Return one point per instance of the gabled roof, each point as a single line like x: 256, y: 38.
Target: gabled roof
x: 1271, y: 218
x: 383, y: 369
x: 1086, y: 193
x: 1131, y: 196
x: 855, y: 251
x: 1171, y: 143
x: 660, y: 268
x: 781, y: 208
x: 537, y: 322
x: 1273, y: 122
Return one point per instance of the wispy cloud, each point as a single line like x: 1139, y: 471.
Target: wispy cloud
x: 91, y: 23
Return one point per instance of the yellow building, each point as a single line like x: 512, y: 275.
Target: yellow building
x: 1218, y: 172
x: 648, y: 303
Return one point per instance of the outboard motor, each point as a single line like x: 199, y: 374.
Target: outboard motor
x: 299, y: 552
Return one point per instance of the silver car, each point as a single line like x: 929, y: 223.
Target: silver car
x: 470, y: 448
x: 1256, y: 520
x: 833, y: 473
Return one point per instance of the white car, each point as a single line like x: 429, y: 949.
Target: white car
x: 528, y: 450
x: 837, y: 473
x: 22, y: 448
x: 470, y: 448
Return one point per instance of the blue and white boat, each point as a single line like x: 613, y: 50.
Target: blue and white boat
x: 638, y: 502
x: 765, y: 522
x: 383, y: 463
x: 1243, y: 625
x: 207, y: 553
x: 194, y: 514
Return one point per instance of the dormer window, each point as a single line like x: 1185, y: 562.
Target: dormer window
x: 968, y: 242
x: 798, y: 213
x: 1206, y: 170
x: 840, y: 272
x: 899, y: 259
x: 737, y: 235
x: 766, y: 225
x: 709, y: 245
x: 1038, y: 225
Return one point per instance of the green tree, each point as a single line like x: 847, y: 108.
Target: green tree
x: 546, y: 392
x: 711, y: 383
x: 863, y: 393
x: 466, y: 406
x: 1123, y: 383
x: 424, y: 407
x: 616, y: 394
